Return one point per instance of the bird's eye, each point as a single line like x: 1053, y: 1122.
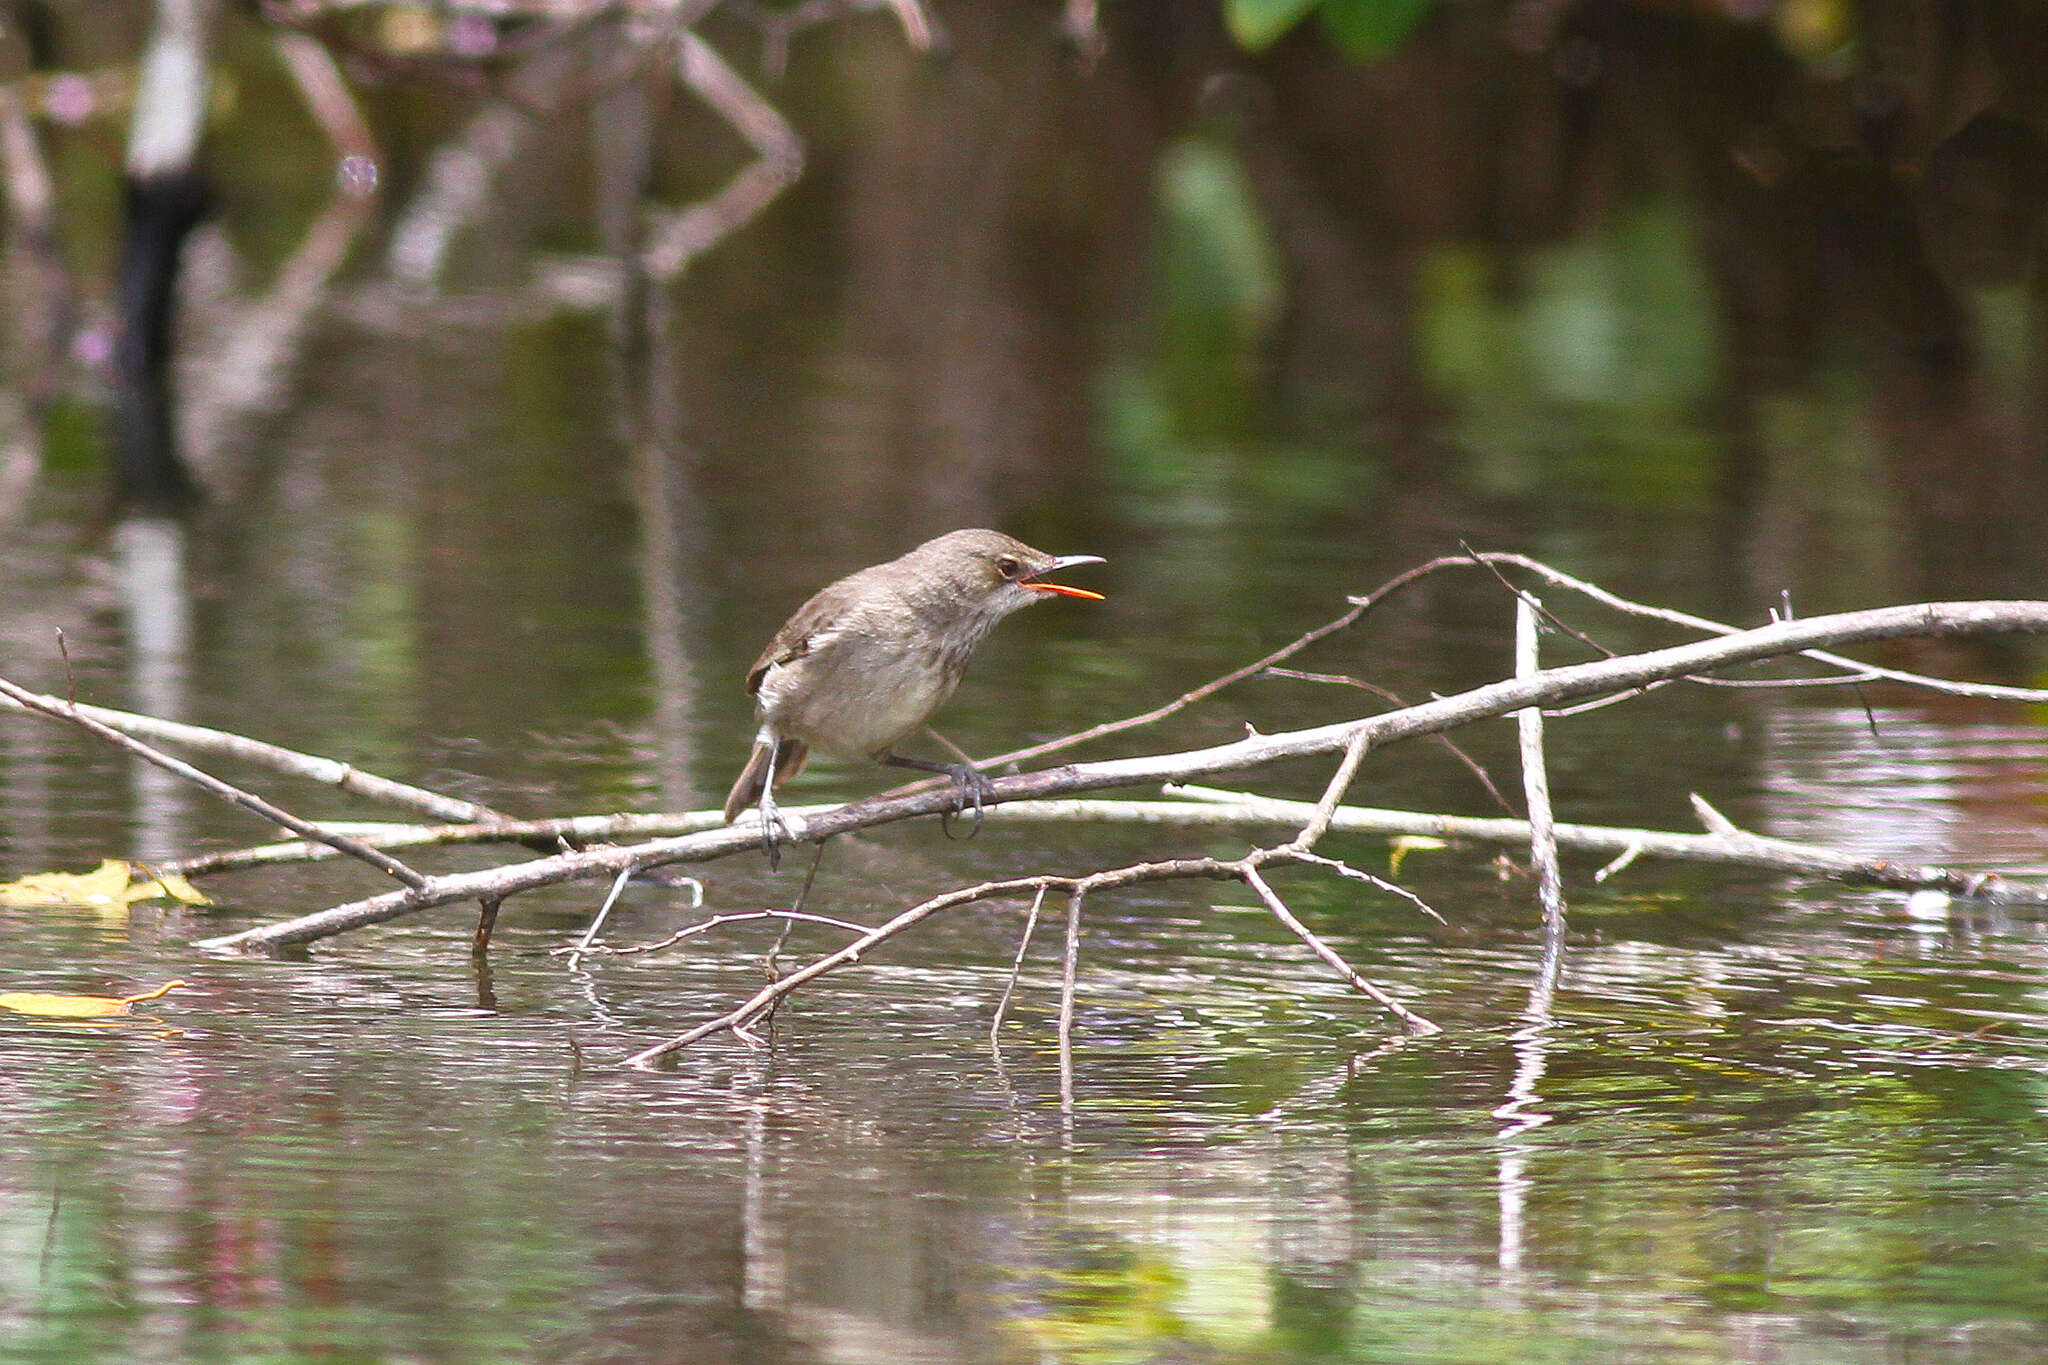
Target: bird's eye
x: 1008, y: 567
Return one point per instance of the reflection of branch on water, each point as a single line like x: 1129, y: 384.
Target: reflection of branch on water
x: 42, y: 319
x: 456, y: 188
x: 556, y: 52
x: 690, y: 232
x: 779, y: 27
x: 251, y: 372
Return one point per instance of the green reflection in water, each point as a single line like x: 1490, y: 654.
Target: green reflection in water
x: 1589, y: 361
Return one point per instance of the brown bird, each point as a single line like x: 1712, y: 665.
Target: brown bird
x: 868, y: 660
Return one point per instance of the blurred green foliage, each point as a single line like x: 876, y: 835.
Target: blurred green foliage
x: 1363, y: 29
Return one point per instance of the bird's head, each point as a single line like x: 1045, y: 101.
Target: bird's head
x: 995, y: 573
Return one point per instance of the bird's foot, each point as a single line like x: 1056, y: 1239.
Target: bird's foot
x: 970, y: 788
x: 775, y: 830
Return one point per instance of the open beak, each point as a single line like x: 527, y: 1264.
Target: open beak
x: 1063, y: 562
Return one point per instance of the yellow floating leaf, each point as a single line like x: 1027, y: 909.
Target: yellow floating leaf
x: 106, y: 884
x: 167, y: 884
x: 78, y: 1006
x: 112, y: 883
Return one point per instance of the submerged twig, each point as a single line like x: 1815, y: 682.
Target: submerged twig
x: 1264, y: 890
x: 995, y: 1024
x: 582, y: 948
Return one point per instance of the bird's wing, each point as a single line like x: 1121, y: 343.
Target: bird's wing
x: 812, y: 626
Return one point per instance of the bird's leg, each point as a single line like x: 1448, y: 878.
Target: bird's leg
x: 771, y: 815
x: 969, y: 787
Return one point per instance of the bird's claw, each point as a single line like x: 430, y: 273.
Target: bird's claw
x: 969, y: 788
x: 775, y: 831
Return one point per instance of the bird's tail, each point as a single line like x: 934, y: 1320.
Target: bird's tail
x: 785, y: 757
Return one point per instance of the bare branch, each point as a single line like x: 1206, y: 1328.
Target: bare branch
x: 1340, y: 782
x: 1735, y: 847
x: 1070, y: 968
x: 57, y: 710
x: 343, y: 777
x: 1858, y: 671
x: 1937, y: 619
x: 1472, y: 764
x: 1361, y: 605
x: 766, y: 997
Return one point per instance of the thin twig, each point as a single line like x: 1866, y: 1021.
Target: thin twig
x: 852, y: 952
x: 1621, y: 863
x: 574, y: 831
x: 1859, y: 671
x: 1070, y: 967
x: 1472, y: 764
x: 1346, y: 870
x: 248, y: 801
x: 1737, y: 848
x: 995, y: 1025
x: 1077, y: 889
x: 1340, y: 782
x: 589, y: 939
x: 1363, y: 604
x: 1204, y: 808
x: 705, y: 927
x: 1359, y: 607
x: 1416, y: 1023
x: 486, y: 921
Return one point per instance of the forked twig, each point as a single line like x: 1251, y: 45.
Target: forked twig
x: 344, y: 777
x: 690, y: 232
x: 1077, y: 889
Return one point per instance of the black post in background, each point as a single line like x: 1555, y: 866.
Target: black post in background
x: 164, y: 198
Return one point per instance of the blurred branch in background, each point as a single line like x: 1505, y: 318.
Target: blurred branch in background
x: 690, y: 232
x: 251, y: 371
x: 42, y: 303
x: 779, y: 26
x: 532, y: 58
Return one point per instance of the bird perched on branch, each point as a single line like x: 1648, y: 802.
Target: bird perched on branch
x: 867, y: 661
